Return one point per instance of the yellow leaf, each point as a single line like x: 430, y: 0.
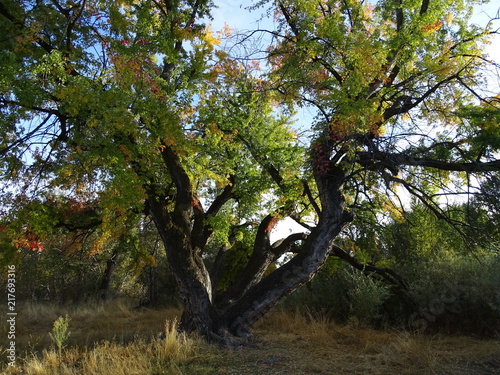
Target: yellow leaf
x: 210, y: 38
x: 448, y: 17
x: 432, y: 28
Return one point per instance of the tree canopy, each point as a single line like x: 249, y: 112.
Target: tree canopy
x: 122, y: 110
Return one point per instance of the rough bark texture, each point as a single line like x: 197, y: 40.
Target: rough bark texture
x: 184, y: 234
x: 260, y: 298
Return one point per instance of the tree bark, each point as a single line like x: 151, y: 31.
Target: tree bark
x: 184, y: 234
x: 261, y: 297
x: 195, y: 289
x: 108, y: 274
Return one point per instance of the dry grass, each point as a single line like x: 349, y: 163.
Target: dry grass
x: 115, y: 339
x: 105, y: 339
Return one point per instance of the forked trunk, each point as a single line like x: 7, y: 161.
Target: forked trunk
x: 235, y: 316
x: 194, y: 285
x: 184, y: 231
x: 260, y: 298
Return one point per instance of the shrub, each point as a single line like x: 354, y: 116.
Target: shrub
x: 342, y: 294
x: 60, y: 332
x: 457, y: 294
x: 366, y: 296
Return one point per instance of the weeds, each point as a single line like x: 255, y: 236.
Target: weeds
x: 60, y: 332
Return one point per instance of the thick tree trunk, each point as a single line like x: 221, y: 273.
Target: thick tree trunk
x: 195, y: 288
x: 261, y: 297
x: 184, y: 233
x: 194, y: 285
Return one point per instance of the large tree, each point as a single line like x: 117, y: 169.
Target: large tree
x: 130, y: 104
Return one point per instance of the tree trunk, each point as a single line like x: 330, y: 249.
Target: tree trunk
x: 259, y: 299
x: 194, y: 286
x: 153, y: 292
x: 254, y: 295
x: 108, y: 274
x: 183, y: 228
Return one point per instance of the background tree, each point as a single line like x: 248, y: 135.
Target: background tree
x: 130, y: 104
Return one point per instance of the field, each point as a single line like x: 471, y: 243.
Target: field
x: 116, y: 339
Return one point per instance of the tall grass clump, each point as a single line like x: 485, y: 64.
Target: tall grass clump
x: 160, y: 355
x: 174, y: 345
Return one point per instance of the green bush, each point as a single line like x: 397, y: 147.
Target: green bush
x: 341, y: 294
x: 60, y: 332
x: 366, y: 297
x: 460, y: 294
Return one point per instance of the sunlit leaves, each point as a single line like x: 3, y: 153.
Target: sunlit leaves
x: 241, y: 137
x: 481, y: 126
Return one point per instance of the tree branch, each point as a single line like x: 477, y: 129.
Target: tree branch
x: 395, y: 160
x: 403, y: 104
x: 222, y: 198
x: 285, y: 245
x: 201, y: 231
x: 19, y: 24
x: 31, y: 134
x: 185, y: 196
x: 296, y: 218
x: 259, y: 261
x: 262, y: 160
x: 386, y: 273
x: 424, y: 7
x: 308, y: 192
x: 288, y: 18
x: 218, y: 266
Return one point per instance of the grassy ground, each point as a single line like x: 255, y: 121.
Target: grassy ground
x: 115, y: 339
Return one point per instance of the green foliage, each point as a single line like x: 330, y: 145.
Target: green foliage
x: 235, y: 261
x: 423, y: 236
x: 344, y: 295
x: 114, y: 106
x: 366, y: 296
x: 450, y: 269
x: 60, y: 332
x: 326, y: 295
x: 481, y: 125
x: 455, y: 294
x: 451, y: 274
